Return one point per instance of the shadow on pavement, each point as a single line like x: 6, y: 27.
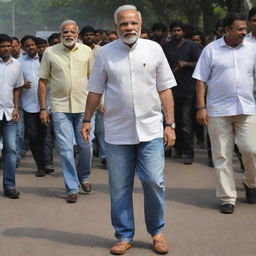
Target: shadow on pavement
x: 87, y: 240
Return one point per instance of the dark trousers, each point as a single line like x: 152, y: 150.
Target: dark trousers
x: 184, y: 109
x: 36, y: 133
x: 49, y: 144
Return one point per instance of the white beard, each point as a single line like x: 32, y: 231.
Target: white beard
x: 67, y: 42
x: 129, y: 40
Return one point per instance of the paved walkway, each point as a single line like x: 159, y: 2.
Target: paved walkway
x: 41, y: 223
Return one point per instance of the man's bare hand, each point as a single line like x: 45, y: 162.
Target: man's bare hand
x: 27, y: 84
x: 15, y: 115
x: 169, y: 137
x: 202, y: 116
x: 44, y: 117
x: 101, y: 108
x: 85, y: 131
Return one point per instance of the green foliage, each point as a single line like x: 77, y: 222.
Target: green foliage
x: 34, y: 15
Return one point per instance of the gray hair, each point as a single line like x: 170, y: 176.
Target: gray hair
x: 125, y: 8
x: 65, y: 22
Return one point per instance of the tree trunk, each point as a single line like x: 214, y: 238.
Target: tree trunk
x: 208, y: 16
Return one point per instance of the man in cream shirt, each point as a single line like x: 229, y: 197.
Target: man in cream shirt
x: 65, y: 68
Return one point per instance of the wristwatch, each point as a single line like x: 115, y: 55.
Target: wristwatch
x: 172, y: 125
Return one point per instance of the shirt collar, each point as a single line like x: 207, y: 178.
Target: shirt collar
x: 127, y: 47
x: 28, y: 58
x: 66, y: 49
x: 9, y: 61
x: 222, y: 43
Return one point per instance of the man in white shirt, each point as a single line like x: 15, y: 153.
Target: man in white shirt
x: 228, y: 66
x: 36, y: 131
x: 252, y: 35
x: 11, y: 81
x: 135, y: 78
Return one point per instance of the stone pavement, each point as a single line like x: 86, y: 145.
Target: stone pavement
x: 41, y: 223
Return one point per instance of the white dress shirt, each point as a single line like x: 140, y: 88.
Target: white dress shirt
x: 131, y: 79
x: 229, y: 74
x: 29, y: 97
x: 10, y: 77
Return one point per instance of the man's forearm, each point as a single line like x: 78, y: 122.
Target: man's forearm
x: 200, y: 93
x: 166, y: 98
x: 92, y: 102
x: 16, y: 97
x: 42, y: 91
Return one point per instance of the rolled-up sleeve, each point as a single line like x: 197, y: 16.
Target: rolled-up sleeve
x: 164, y: 76
x: 45, y: 67
x: 203, y: 69
x: 98, y: 79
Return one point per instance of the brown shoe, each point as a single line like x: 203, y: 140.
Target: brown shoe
x: 87, y: 187
x: 71, y: 198
x: 120, y: 248
x: 160, y: 245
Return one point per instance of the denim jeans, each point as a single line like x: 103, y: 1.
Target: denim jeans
x: 8, y: 133
x: 66, y: 126
x: 147, y: 160
x: 20, y: 134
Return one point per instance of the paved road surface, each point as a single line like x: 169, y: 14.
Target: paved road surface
x: 41, y: 223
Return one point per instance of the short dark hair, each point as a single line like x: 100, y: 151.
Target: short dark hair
x: 5, y: 38
x: 160, y: 26
x: 14, y: 38
x: 231, y: 17
x: 251, y: 13
x: 27, y: 37
x: 40, y: 40
x: 200, y: 34
x: 112, y: 32
x: 177, y: 23
x: 87, y: 29
x: 52, y: 37
x: 145, y: 30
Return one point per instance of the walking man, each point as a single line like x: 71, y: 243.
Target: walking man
x: 65, y: 68
x: 228, y: 66
x: 135, y: 78
x: 11, y: 81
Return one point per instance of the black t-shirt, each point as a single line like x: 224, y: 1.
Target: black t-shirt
x: 186, y: 52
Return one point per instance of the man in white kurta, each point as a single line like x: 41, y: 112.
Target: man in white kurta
x: 135, y: 78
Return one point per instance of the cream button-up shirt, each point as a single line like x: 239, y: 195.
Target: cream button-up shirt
x: 131, y: 79
x: 68, y: 73
x: 11, y: 78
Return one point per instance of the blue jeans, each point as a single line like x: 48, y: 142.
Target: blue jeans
x: 147, y: 160
x: 66, y: 126
x: 8, y: 133
x: 20, y: 134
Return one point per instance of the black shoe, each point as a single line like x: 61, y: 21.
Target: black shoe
x: 188, y: 160
x: 17, y: 163
x: 210, y: 162
x: 11, y: 193
x: 250, y: 194
x: 48, y: 170
x: 227, y: 208
x: 104, y: 161
x: 40, y: 173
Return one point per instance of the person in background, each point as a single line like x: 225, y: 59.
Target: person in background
x: 11, y: 81
x: 65, y: 68
x: 53, y: 39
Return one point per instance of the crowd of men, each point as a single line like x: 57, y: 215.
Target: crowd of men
x: 153, y: 91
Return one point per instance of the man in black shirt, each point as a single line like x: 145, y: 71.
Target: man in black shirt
x: 182, y: 55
